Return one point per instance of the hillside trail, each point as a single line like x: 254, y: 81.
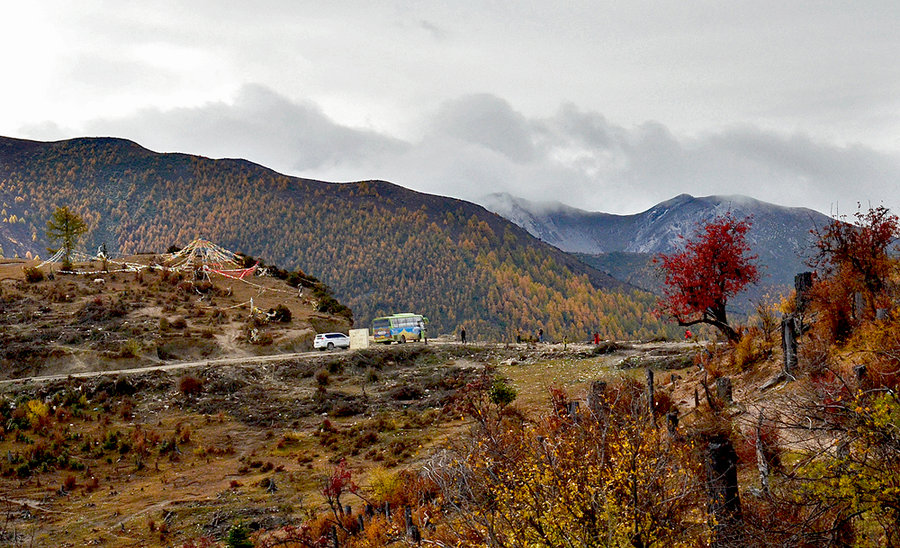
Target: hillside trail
x: 176, y: 366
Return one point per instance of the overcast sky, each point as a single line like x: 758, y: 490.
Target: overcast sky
x: 607, y: 106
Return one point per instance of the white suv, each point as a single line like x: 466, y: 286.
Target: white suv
x: 331, y: 340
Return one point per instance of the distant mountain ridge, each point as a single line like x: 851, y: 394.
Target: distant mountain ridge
x: 780, y: 236
x: 381, y: 247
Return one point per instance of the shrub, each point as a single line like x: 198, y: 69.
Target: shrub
x: 322, y: 378
x: 190, y: 385
x: 203, y: 287
x: 502, y: 394
x: 750, y: 350
x: 179, y: 322
x: 238, y: 537
x: 385, y: 485
x: 184, y: 434
x: 131, y: 349
x: 33, y: 275
x: 282, y: 314
x: 126, y: 408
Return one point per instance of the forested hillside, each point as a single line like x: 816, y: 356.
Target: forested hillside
x: 382, y: 248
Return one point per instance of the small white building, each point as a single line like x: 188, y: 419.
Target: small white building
x: 359, y: 338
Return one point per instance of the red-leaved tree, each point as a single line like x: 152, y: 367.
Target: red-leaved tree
x: 861, y: 248
x: 713, y: 266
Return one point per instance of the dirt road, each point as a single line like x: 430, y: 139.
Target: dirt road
x: 168, y: 367
x: 175, y: 366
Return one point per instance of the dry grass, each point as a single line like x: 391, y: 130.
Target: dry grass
x: 141, y: 452
x: 143, y: 317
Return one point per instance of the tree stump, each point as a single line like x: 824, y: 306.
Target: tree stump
x: 724, y: 390
x: 802, y: 284
x: 596, y: 400
x: 859, y: 306
x: 672, y: 422
x: 573, y: 411
x: 789, y: 333
x: 722, y: 490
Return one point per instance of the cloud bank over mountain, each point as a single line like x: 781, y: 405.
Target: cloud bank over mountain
x: 480, y: 143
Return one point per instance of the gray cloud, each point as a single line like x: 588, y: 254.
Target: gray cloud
x: 478, y: 144
x: 488, y: 121
x: 259, y: 125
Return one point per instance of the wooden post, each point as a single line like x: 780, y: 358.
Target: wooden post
x: 696, y: 397
x: 650, y: 392
x: 859, y: 306
x: 789, y: 343
x: 672, y: 422
x: 802, y: 284
x: 722, y: 490
x: 407, y: 518
x: 862, y: 377
x: 723, y: 389
x: 334, y: 537
x: 573, y: 411
x: 596, y: 400
x: 761, y: 464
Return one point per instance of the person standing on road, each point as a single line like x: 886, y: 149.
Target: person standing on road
x: 541, y: 335
x: 462, y: 335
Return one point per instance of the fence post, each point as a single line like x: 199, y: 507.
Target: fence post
x: 723, y: 390
x: 789, y: 343
x: 722, y: 489
x: 859, y: 306
x: 573, y: 411
x: 761, y: 464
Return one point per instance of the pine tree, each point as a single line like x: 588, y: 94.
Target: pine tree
x: 66, y: 228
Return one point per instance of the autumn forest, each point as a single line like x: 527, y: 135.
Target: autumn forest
x: 380, y: 247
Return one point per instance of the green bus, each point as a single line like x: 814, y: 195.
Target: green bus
x: 400, y: 328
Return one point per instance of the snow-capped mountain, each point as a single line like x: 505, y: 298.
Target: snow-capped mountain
x: 780, y: 236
